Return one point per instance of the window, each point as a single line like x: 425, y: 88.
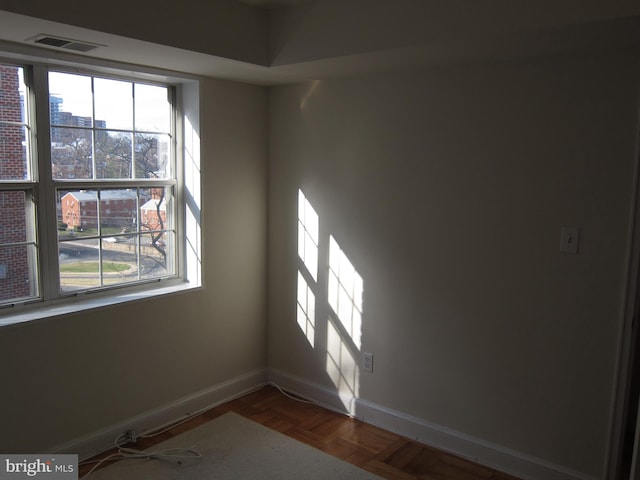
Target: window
x: 95, y: 204
x: 18, y: 246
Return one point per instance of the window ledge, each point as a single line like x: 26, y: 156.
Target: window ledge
x: 41, y: 311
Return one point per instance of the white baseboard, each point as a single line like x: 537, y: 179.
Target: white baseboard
x: 485, y: 453
x: 325, y: 397
x: 183, y: 408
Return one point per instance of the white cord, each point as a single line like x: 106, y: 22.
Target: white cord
x: 152, y: 433
x: 127, y: 453
x: 297, y: 399
x: 124, y: 452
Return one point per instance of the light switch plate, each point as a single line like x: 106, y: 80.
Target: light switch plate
x: 569, y: 238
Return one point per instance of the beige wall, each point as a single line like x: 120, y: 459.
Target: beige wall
x: 447, y: 189
x: 71, y: 376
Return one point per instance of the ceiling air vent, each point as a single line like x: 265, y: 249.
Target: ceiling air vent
x: 64, y: 43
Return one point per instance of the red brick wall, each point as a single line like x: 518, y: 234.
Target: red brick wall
x: 70, y: 211
x: 12, y: 151
x: 149, y: 219
x: 85, y: 215
x: 13, y: 260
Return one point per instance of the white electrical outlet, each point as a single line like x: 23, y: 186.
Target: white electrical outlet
x: 130, y: 436
x: 367, y: 362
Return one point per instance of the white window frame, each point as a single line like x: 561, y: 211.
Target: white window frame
x: 188, y: 260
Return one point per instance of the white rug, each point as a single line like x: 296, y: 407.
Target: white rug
x: 234, y: 447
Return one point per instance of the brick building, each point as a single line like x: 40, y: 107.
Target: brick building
x: 153, y: 215
x: 117, y: 208
x: 14, y: 259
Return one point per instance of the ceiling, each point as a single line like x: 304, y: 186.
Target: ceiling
x: 274, y: 3
x: 269, y: 42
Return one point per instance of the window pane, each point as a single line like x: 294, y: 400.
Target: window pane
x: 113, y: 154
x: 13, y: 221
x: 13, y: 152
x: 157, y: 237
x: 154, y: 214
x: 79, y: 264
x: 12, y: 93
x: 77, y: 214
x: 157, y: 252
x: 152, y: 156
x: 119, y: 260
x: 18, y: 280
x: 13, y: 132
x: 18, y: 255
x: 153, y: 111
x: 114, y: 103
x: 70, y: 101
x: 134, y: 240
x: 71, y: 153
x: 117, y: 211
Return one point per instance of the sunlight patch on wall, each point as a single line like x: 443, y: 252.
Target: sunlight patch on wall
x: 308, y: 240
x: 308, y: 235
x: 344, y: 328
x: 192, y: 161
x: 312, y: 88
x: 331, y: 285
x: 193, y: 200
x: 342, y: 368
x: 345, y: 292
x: 306, y: 309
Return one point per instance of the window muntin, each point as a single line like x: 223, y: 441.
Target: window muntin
x: 112, y: 140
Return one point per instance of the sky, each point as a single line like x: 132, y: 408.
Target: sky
x: 113, y: 101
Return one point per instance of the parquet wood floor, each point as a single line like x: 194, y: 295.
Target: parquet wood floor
x: 383, y: 453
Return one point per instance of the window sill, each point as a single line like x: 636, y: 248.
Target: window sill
x: 41, y: 311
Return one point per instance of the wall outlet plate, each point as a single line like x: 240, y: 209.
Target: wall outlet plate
x: 367, y: 362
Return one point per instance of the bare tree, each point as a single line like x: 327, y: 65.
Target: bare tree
x: 149, y: 164
x: 113, y: 155
x: 71, y: 158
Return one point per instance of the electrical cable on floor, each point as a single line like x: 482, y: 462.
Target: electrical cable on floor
x: 128, y: 453
x: 292, y: 397
x: 179, y: 453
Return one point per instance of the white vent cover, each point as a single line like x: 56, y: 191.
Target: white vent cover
x: 64, y: 43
